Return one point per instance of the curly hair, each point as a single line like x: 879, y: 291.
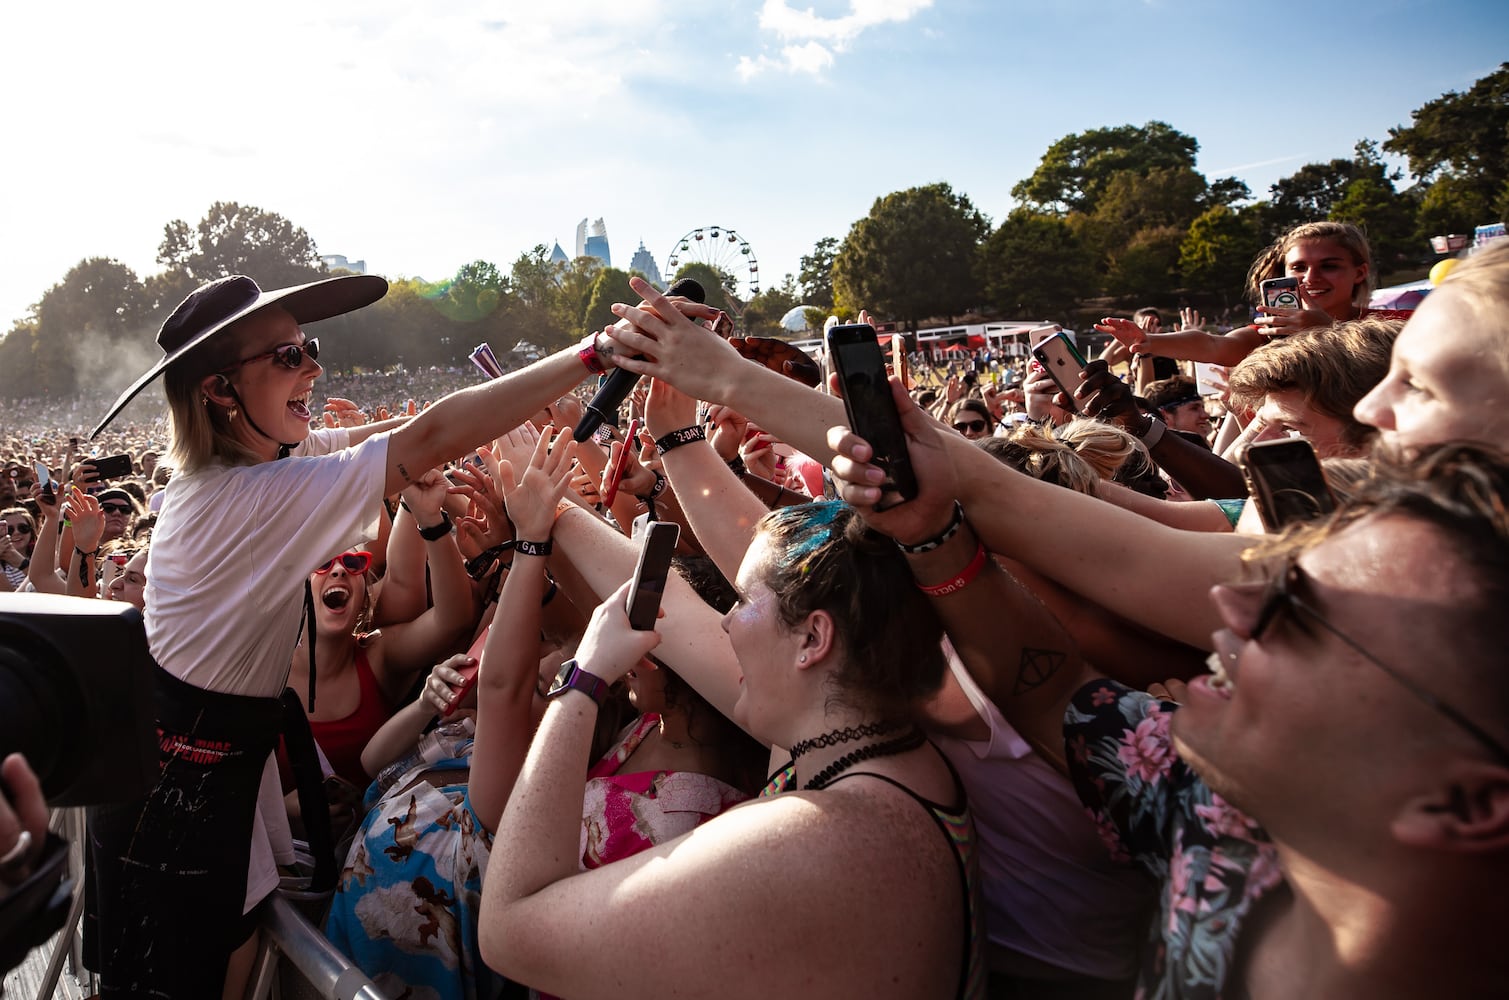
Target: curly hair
x: 826, y: 558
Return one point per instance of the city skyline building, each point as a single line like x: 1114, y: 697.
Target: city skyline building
x: 592, y: 241
x: 644, y: 263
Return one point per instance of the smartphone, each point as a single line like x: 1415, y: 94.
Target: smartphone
x: 1062, y: 361
x: 49, y: 488
x: 625, y: 456
x: 112, y: 466
x: 1286, y: 482
x: 1281, y: 293
x: 872, y: 412
x: 469, y: 674
x: 656, y: 548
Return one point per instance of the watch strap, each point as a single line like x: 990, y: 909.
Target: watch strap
x: 435, y: 532
x: 572, y: 677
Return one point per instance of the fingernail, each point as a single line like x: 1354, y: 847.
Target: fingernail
x: 874, y: 475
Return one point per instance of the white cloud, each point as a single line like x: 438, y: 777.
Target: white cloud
x: 812, y: 39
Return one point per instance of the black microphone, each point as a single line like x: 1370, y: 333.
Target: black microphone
x: 605, y: 404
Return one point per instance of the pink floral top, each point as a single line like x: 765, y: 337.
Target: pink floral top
x: 622, y: 814
x: 1212, y: 862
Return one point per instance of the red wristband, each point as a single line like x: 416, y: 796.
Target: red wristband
x: 588, y: 354
x: 965, y: 578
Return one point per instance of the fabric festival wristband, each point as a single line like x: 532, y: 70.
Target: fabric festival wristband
x: 965, y: 578
x: 675, y: 439
x: 657, y: 489
x: 533, y: 548
x: 435, y: 532
x: 937, y: 541
x: 587, y: 352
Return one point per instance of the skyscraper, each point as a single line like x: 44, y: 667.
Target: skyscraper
x: 644, y: 263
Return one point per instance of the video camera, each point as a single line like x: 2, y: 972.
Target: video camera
x: 76, y: 701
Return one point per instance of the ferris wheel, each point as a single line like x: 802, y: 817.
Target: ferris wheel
x: 724, y: 250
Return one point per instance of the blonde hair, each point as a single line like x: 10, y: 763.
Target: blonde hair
x: 1482, y: 280
x: 199, y: 429
x: 1040, y: 455
x: 1104, y: 446
x: 1270, y: 263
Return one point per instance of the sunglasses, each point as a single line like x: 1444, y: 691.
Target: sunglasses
x: 288, y: 355
x: 18, y: 529
x: 354, y: 563
x: 1281, y: 597
x: 974, y: 426
x: 115, y: 508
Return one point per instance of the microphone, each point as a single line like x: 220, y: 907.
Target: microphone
x: 605, y: 404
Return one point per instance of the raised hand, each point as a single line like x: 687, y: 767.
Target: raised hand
x: 532, y: 489
x: 675, y: 348
x: 83, y: 512
x: 1128, y: 334
x: 1190, y: 319
x: 426, y: 495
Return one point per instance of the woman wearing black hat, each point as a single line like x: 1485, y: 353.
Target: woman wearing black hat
x: 175, y: 875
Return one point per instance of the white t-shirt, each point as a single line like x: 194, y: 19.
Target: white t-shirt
x: 225, y: 577
x: 1051, y: 889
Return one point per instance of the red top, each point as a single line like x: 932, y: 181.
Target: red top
x: 343, y: 740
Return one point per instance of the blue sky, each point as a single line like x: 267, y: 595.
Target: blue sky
x: 421, y: 137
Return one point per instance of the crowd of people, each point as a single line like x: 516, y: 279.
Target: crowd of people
x: 1076, y: 720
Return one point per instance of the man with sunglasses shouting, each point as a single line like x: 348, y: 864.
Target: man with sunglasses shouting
x: 1327, y: 812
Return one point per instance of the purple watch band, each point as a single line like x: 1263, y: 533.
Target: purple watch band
x: 571, y: 677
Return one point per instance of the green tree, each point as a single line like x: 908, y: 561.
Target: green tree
x: 1076, y: 169
x: 1464, y: 137
x: 1307, y: 195
x: 1218, y: 249
x: 1132, y: 203
x: 574, y: 293
x: 816, y: 274
x: 611, y: 285
x: 536, y: 281
x: 914, y: 256
x: 1148, y: 266
x: 236, y: 239
x: 1034, y: 266
x: 85, y: 323
x: 1451, y: 204
x: 1371, y: 203
x: 762, y: 316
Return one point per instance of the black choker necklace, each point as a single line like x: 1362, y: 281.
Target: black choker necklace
x: 846, y: 735
x: 886, y: 748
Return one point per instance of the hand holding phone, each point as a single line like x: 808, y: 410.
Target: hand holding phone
x: 469, y: 673
x: 856, y: 356
x: 1281, y: 293
x: 656, y: 548
x: 111, y: 467
x: 1062, y: 362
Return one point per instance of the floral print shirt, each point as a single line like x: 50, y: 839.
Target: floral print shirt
x: 1212, y: 862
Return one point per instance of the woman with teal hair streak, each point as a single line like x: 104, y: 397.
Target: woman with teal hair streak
x: 851, y: 875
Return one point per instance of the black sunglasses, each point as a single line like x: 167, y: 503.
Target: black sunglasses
x: 115, y: 508
x: 288, y: 355
x: 970, y: 425
x: 1281, y: 596
x: 18, y: 529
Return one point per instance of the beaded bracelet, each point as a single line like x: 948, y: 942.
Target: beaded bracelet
x: 675, y: 439
x: 937, y: 541
x: 964, y: 578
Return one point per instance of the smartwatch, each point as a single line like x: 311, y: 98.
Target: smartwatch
x: 571, y: 677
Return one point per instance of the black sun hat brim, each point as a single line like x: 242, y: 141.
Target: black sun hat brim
x: 307, y: 303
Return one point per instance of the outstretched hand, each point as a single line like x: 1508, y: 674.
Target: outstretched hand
x: 684, y: 353
x: 531, y: 491
x: 1128, y: 334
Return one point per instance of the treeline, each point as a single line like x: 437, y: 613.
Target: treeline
x: 1118, y: 212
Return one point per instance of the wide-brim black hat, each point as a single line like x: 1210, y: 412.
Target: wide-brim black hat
x: 212, y: 307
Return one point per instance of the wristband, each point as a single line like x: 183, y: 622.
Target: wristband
x: 533, y: 548
x: 87, y: 555
x: 937, y: 541
x: 437, y: 531
x: 24, y: 563
x: 660, y: 484
x: 736, y: 465
x: 590, y: 356
x: 1154, y: 432
x: 962, y: 580
x: 675, y: 439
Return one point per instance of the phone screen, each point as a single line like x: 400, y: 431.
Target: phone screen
x: 1287, y: 482
x: 871, y: 409
x: 656, y: 548
x: 1281, y: 293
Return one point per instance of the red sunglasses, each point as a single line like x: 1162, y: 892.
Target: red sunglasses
x: 354, y: 563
